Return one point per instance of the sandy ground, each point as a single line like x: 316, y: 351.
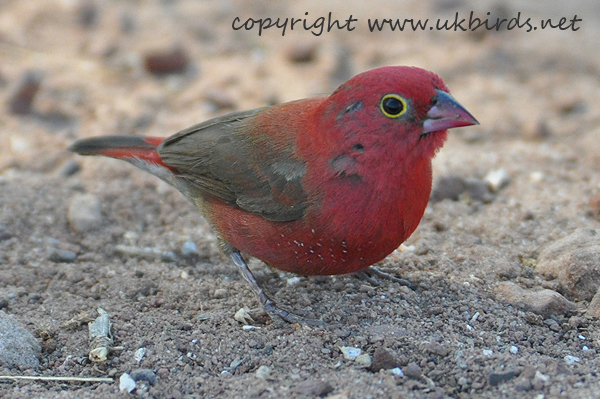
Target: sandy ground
x: 462, y: 332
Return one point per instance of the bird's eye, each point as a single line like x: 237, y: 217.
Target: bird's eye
x: 392, y: 105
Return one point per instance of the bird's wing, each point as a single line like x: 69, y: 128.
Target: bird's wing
x: 231, y: 159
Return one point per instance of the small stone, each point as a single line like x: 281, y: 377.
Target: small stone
x: 139, y: 354
x: 543, y: 302
x: 144, y: 375
x: 575, y: 262
x: 363, y: 360
x: 88, y: 13
x: 569, y: 359
x: 5, y: 235
x: 487, y: 352
x: 314, y: 388
x: 514, y: 350
x: 497, y: 179
x: 449, y: 187
x: 436, y: 348
x: 536, y: 177
x: 220, y: 99
x: 70, y: 168
x: 84, y: 212
x: 18, y: 347
x: 163, y: 373
x: 169, y: 61
x: 397, y: 371
x: 539, y: 380
x: 456, y: 188
x: 384, y: 359
x: 61, y: 255
x: 126, y: 383
x: 523, y: 383
x: 497, y: 378
x: 263, y: 372
x: 594, y: 306
x: 413, y: 370
x: 189, y: 248
x: 243, y: 316
x: 293, y: 280
x: 302, y: 52
x: 594, y: 205
x: 221, y: 293
x: 23, y: 94
x: 350, y: 352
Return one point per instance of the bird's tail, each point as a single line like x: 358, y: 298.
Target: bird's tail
x: 140, y: 151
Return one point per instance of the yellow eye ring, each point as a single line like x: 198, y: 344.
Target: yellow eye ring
x: 392, y: 105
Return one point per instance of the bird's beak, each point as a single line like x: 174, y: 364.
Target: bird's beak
x: 447, y: 113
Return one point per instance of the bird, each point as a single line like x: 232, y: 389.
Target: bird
x: 319, y: 186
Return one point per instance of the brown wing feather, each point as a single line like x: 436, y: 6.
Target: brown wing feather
x: 230, y: 159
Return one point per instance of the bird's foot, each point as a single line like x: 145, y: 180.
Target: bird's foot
x: 371, y: 274
x: 275, y: 312
x: 278, y: 315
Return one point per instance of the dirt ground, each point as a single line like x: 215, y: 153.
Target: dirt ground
x: 457, y: 334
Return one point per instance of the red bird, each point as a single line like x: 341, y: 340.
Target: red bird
x: 318, y: 186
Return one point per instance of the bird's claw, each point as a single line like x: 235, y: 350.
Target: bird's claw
x: 277, y: 314
x: 371, y: 273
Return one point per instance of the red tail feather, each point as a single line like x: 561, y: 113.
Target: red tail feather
x: 128, y: 148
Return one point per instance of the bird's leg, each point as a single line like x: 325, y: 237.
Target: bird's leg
x: 371, y: 273
x: 268, y: 305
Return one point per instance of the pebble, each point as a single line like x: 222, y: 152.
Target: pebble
x: 163, y: 373
x: 189, y: 248
x: 487, y: 352
x: 168, y: 61
x: 139, y: 354
x: 87, y: 14
x: 293, y: 280
x: 384, y: 359
x: 436, y: 348
x: 575, y: 261
x: 514, y: 350
x: 126, y: 383
x: 303, y: 52
x: 263, y: 372
x: 243, y: 316
x: 536, y: 177
x: 497, y: 179
x: 61, y: 255
x: 221, y: 293
x: 350, y: 352
x: 497, y: 378
x: 148, y: 253
x: 457, y: 187
x: 314, y: 388
x: 363, y: 360
x: 460, y: 362
x: 413, y: 370
x: 539, y: 380
x: 24, y: 92
x: 144, y: 375
x: 84, y: 212
x: 18, y: 347
x: 398, y: 372
x: 70, y: 168
x: 594, y: 205
x: 569, y: 359
x: 543, y: 302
